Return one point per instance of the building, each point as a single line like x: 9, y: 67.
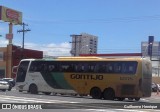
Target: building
x: 155, y: 55
x: 155, y: 49
x: 84, y: 44
x: 11, y: 55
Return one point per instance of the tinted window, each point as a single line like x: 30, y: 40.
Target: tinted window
x: 38, y: 66
x: 120, y: 67
x: 22, y: 70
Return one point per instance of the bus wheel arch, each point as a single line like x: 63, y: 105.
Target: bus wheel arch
x: 47, y: 93
x: 96, y: 93
x: 121, y: 98
x: 109, y: 94
x: 137, y: 99
x: 33, y: 89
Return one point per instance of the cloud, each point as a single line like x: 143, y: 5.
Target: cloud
x: 3, y: 42
x: 51, y: 49
x: 62, y: 49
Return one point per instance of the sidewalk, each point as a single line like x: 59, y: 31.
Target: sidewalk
x: 155, y: 94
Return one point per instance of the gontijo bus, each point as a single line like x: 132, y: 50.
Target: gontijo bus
x: 107, y: 78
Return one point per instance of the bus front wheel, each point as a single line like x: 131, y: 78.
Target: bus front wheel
x: 108, y: 94
x: 96, y: 93
x: 33, y: 89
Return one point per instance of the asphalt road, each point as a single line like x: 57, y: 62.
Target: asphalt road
x: 64, y: 103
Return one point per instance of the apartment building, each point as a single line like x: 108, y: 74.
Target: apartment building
x: 84, y: 44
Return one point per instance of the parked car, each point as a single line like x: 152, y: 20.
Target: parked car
x: 158, y: 85
x: 11, y: 80
x: 4, y: 85
x: 10, y: 84
x: 155, y: 87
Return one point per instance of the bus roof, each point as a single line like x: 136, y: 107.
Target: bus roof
x: 84, y: 59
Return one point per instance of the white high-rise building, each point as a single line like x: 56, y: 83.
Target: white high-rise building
x: 155, y: 57
x: 155, y: 49
x: 84, y: 44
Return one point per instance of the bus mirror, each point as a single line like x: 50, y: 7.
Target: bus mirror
x: 14, y: 70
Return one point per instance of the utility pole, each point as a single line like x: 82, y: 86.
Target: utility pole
x: 23, y: 31
x: 75, y: 42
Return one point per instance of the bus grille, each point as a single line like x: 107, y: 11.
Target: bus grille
x: 127, y: 89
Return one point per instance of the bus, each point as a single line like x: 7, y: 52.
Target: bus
x: 101, y: 78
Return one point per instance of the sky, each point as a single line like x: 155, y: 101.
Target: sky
x: 121, y: 25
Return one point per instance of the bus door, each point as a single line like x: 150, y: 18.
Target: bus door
x: 22, y: 71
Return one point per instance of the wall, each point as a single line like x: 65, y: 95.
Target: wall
x: 156, y: 80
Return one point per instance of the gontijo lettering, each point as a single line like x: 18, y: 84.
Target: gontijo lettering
x: 86, y: 76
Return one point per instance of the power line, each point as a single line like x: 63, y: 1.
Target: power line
x: 105, y: 20
x: 23, y: 31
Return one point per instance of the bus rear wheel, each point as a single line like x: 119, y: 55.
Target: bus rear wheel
x: 108, y: 94
x: 47, y: 93
x: 137, y: 99
x: 96, y: 93
x: 33, y: 89
x: 130, y: 98
x: 120, y: 98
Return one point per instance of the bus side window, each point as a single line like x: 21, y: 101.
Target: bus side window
x: 92, y: 68
x: 117, y: 67
x: 110, y: 68
x: 129, y: 67
x: 124, y: 68
x: 51, y: 68
x: 132, y: 68
x: 101, y: 69
x: 70, y: 68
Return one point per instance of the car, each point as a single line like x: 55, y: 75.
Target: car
x: 158, y: 85
x: 10, y: 80
x: 154, y: 87
x: 4, y: 85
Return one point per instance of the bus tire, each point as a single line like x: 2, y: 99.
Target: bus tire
x: 20, y: 91
x: 33, y: 89
x: 47, y: 93
x: 137, y: 99
x: 130, y: 98
x: 108, y: 94
x: 3, y: 90
x: 96, y: 93
x: 120, y: 98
